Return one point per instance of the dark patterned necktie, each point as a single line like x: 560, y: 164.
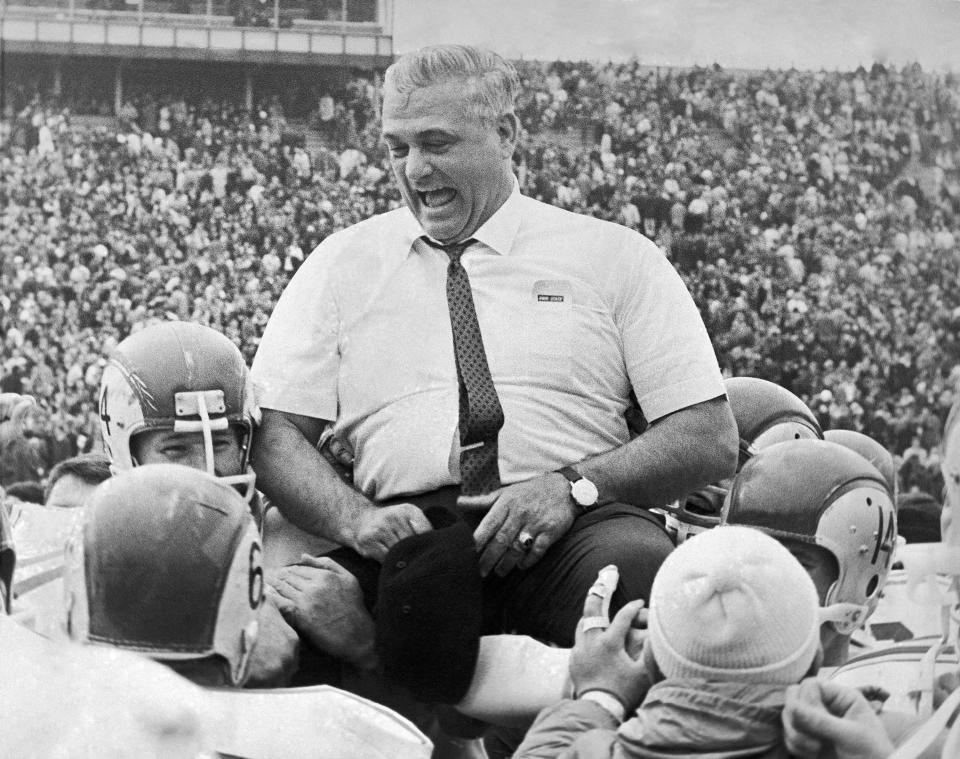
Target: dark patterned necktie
x: 481, y: 415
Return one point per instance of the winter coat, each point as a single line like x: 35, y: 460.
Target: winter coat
x: 678, y: 718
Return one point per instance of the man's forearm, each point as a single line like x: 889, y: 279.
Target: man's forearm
x: 301, y: 482
x: 674, y: 456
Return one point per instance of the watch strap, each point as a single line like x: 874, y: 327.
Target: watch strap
x: 570, y: 473
x: 573, y: 476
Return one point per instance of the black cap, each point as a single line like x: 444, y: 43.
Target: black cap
x: 429, y: 610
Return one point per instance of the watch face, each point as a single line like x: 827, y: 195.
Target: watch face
x: 584, y: 492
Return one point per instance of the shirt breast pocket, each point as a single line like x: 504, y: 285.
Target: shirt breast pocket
x: 546, y: 326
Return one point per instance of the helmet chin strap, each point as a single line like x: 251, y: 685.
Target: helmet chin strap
x: 245, y: 483
x: 845, y: 617
x: 248, y: 639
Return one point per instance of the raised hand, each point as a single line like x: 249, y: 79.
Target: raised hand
x: 604, y: 657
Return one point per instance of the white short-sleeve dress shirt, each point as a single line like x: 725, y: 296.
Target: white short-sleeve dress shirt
x: 573, y: 312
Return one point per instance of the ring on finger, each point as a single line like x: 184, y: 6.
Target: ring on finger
x: 524, y: 541
x: 594, y: 623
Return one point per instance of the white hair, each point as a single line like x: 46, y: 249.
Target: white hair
x: 491, y: 82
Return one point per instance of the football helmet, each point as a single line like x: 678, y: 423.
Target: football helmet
x: 180, y: 376
x: 168, y: 562
x: 765, y: 414
x: 872, y: 451
x: 818, y: 492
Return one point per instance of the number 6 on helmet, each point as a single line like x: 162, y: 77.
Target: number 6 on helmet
x: 167, y: 562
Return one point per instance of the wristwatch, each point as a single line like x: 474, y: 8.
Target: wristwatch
x: 583, y: 492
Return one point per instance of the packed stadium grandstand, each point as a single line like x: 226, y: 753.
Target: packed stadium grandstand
x: 813, y: 216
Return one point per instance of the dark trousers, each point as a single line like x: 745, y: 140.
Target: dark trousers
x: 546, y: 600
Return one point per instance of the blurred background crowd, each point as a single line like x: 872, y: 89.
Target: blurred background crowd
x: 813, y: 215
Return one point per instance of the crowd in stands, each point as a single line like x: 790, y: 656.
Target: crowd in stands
x: 813, y: 215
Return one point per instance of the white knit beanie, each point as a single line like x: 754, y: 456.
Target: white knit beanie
x: 733, y: 604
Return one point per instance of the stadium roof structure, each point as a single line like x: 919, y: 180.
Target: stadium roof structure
x: 356, y: 33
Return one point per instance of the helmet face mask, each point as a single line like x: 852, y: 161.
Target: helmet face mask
x: 167, y: 562
x: 220, y: 451
x: 697, y: 512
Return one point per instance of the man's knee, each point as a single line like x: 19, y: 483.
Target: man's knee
x: 547, y: 601
x: 637, y: 546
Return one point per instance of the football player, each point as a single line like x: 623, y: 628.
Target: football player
x: 833, y: 510
x: 168, y: 563
x: 897, y: 616
x: 765, y: 414
x: 179, y: 393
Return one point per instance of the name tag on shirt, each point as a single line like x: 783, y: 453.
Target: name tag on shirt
x: 552, y: 291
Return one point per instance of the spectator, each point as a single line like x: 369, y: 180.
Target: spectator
x: 20, y: 455
x: 71, y: 481
x: 26, y: 491
x: 733, y: 619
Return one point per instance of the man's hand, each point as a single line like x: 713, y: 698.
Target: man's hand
x: 275, y: 656
x: 822, y: 718
x: 540, y: 508
x: 377, y: 529
x: 324, y: 603
x: 606, y: 658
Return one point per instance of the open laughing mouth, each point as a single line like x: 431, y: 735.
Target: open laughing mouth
x: 437, y: 198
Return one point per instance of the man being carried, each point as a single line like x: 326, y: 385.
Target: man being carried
x: 477, y: 349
